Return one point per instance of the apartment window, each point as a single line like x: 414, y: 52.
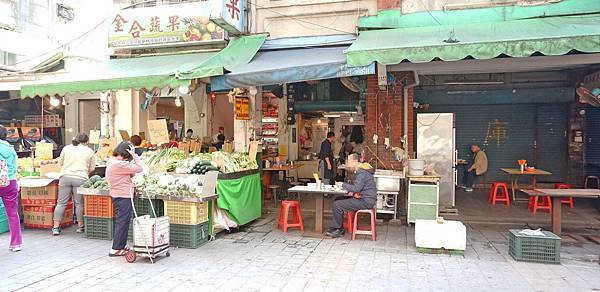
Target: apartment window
x: 8, y: 59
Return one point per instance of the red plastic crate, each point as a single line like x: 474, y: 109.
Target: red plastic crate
x: 98, y: 206
x: 43, y: 216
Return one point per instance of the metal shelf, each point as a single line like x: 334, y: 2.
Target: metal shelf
x: 387, y: 193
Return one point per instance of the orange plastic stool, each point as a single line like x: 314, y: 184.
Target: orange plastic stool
x: 348, y: 224
x: 372, y: 231
x: 284, y: 210
x: 569, y: 200
x: 501, y: 196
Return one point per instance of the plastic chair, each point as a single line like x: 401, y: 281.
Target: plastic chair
x: 501, y: 196
x: 349, y: 225
x: 284, y: 210
x: 569, y: 201
x: 372, y: 231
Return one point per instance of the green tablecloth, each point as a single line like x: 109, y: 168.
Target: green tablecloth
x: 240, y: 197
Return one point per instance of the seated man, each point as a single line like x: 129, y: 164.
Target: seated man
x: 362, y: 194
x: 479, y: 167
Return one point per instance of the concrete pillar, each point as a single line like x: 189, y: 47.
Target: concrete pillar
x: 196, y: 108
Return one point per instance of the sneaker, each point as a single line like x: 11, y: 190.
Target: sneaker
x: 336, y: 233
x: 15, y: 248
x: 80, y: 229
x: 56, y: 231
x: 469, y: 190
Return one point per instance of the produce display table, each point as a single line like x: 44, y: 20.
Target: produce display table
x: 240, y: 195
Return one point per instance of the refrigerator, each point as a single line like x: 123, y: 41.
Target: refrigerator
x: 436, y: 146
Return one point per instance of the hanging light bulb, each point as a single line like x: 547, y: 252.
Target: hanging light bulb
x: 318, y: 121
x: 183, y: 89
x: 64, y: 102
x: 351, y: 119
x: 178, y: 101
x: 54, y: 101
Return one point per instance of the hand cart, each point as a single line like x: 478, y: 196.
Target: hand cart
x: 150, y: 236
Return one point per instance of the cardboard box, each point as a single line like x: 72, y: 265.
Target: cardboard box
x: 39, y: 189
x: 43, y: 216
x: 49, y: 167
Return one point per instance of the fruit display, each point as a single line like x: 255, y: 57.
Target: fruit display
x: 96, y: 182
x: 201, y: 29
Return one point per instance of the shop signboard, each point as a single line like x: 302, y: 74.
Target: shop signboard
x: 242, y: 108
x: 31, y: 133
x: 181, y: 24
x: 229, y: 14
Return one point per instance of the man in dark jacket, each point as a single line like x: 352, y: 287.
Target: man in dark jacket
x: 326, y: 155
x: 362, y: 194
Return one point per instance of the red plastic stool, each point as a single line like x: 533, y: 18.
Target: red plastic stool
x: 284, y: 210
x: 569, y: 200
x: 372, y: 231
x: 348, y: 224
x: 501, y: 196
x: 535, y: 204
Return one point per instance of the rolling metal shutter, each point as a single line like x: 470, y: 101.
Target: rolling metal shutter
x: 551, y: 141
x: 592, y: 152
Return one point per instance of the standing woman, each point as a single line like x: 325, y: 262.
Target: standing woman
x: 118, y: 173
x: 76, y: 163
x: 9, y: 189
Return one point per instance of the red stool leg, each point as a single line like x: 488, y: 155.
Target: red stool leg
x: 350, y: 222
x: 373, y: 224
x: 506, y: 196
x: 285, y: 218
x: 280, y: 217
x: 295, y: 216
x: 355, y: 225
x: 494, y: 194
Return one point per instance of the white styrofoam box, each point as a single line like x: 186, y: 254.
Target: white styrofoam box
x: 448, y: 235
x: 153, y: 232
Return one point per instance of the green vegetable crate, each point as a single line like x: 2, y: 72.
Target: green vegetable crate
x: 99, y: 227
x: 188, y: 236
x: 530, y: 248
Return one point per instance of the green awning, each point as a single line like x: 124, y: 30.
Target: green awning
x: 394, y: 18
x: 549, y: 36
x: 156, y: 71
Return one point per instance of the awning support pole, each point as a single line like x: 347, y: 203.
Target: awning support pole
x: 405, y: 98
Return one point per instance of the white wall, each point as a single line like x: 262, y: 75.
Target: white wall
x: 292, y: 18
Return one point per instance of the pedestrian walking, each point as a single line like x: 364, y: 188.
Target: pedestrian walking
x: 9, y: 189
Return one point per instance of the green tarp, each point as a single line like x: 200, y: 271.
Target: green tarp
x: 241, y: 197
x: 519, y: 38
x: 395, y: 19
x: 155, y: 71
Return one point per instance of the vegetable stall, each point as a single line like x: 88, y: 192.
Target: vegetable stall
x: 175, y: 182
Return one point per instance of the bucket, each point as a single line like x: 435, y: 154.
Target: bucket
x: 416, y: 166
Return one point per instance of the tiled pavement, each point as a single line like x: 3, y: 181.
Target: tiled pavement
x: 261, y: 259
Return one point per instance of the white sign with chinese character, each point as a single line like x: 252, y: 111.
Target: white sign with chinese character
x: 229, y: 14
x: 165, y: 24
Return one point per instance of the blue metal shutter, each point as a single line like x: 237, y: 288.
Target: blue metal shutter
x: 592, y: 148
x: 551, y: 141
x: 505, y: 131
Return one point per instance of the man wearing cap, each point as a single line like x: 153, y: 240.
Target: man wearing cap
x: 362, y: 194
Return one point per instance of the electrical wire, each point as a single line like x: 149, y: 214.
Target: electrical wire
x: 66, y: 43
x: 298, y: 19
x: 429, y: 12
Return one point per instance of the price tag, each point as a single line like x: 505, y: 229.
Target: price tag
x: 94, y: 136
x: 158, y: 131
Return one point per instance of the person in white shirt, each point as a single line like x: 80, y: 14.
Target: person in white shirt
x: 76, y: 162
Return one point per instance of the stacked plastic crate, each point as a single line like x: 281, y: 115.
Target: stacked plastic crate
x: 189, y: 223
x: 3, y: 219
x: 142, y: 207
x: 38, y: 206
x: 98, y: 216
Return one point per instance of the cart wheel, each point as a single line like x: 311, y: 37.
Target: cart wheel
x: 130, y: 256
x: 168, y: 254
